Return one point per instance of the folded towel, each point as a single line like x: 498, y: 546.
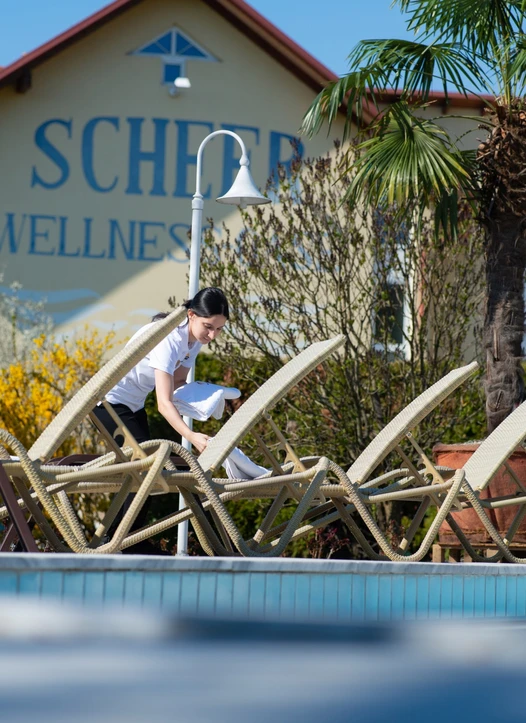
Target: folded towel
x: 239, y: 466
x: 202, y: 400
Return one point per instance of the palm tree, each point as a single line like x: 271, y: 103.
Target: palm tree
x: 464, y: 46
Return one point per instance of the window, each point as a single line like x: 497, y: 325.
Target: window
x: 392, y: 322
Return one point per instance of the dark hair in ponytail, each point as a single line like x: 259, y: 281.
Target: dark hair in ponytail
x: 208, y: 302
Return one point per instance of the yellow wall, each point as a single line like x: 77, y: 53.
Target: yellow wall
x: 60, y: 236
x: 63, y: 243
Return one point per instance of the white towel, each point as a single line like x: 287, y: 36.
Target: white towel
x: 239, y: 466
x: 202, y: 400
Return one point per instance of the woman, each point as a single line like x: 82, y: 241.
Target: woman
x: 165, y: 368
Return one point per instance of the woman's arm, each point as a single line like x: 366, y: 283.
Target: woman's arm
x: 164, y: 389
x: 180, y: 375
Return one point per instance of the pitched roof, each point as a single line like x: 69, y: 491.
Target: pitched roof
x: 251, y: 23
x: 239, y: 13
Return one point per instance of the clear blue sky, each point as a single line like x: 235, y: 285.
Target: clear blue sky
x: 328, y: 29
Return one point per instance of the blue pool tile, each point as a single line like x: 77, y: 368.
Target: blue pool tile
x: 189, y: 592
x: 521, y: 596
x: 490, y: 589
x: 371, y: 597
x: 501, y: 596
x: 206, y: 598
x: 479, y: 602
x: 468, y: 608
x: 434, y: 596
x: 457, y: 596
x: 397, y: 597
x: 410, y: 597
x: 240, y: 594
x: 358, y: 598
x: 302, y: 596
x: 94, y: 587
x: 171, y: 592
x: 114, y: 588
x: 511, y: 596
x: 52, y: 584
x: 256, y: 600
x: 29, y: 583
x: 344, y: 597
x: 287, y: 603
x: 73, y: 588
x: 272, y: 594
x: 446, y: 596
x: 224, y: 590
x: 134, y: 588
x: 317, y: 595
x: 153, y: 589
x: 422, y: 597
x: 8, y: 583
x: 384, y: 597
x: 330, y: 597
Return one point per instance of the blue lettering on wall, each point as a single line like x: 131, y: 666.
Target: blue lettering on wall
x: 182, y: 246
x: 88, y: 153
x: 276, y: 141
x: 138, y: 156
x: 62, y: 239
x: 184, y: 158
x: 52, y: 153
x: 9, y: 231
x: 50, y: 132
x: 142, y: 241
x: 116, y: 233
x: 145, y: 228
x: 86, y: 251
x: 233, y: 154
x: 37, y: 232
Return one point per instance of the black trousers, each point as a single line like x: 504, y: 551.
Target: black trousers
x: 137, y: 423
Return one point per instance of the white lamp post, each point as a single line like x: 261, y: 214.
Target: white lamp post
x: 244, y: 192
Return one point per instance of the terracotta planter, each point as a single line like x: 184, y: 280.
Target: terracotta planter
x: 455, y: 456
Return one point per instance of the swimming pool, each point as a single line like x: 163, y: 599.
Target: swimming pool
x: 283, y: 588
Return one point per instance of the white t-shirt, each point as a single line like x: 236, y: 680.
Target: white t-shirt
x: 172, y: 352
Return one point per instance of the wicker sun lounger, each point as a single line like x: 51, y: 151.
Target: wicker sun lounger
x: 158, y: 474
x: 71, y: 416
x: 345, y: 492
x: 422, y: 482
x: 204, y: 493
x: 479, y: 470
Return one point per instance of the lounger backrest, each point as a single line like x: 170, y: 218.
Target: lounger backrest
x: 266, y: 397
x: 496, y: 449
x: 386, y: 440
x: 100, y: 383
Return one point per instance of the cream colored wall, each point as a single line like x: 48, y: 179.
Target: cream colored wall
x: 461, y: 123
x: 43, y: 230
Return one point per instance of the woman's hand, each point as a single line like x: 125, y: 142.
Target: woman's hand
x: 164, y: 387
x: 199, y: 441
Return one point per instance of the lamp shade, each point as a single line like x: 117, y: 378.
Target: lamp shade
x: 244, y: 191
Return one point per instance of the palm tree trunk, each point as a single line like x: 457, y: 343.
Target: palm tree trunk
x: 504, y: 320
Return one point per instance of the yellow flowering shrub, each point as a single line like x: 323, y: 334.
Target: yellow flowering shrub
x: 33, y: 390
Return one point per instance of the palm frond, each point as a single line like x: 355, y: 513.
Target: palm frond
x: 408, y: 159
x: 516, y: 70
x: 390, y: 64
x: 414, y: 66
x: 355, y: 90
x: 481, y: 25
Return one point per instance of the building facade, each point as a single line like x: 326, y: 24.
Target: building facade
x: 99, y: 131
